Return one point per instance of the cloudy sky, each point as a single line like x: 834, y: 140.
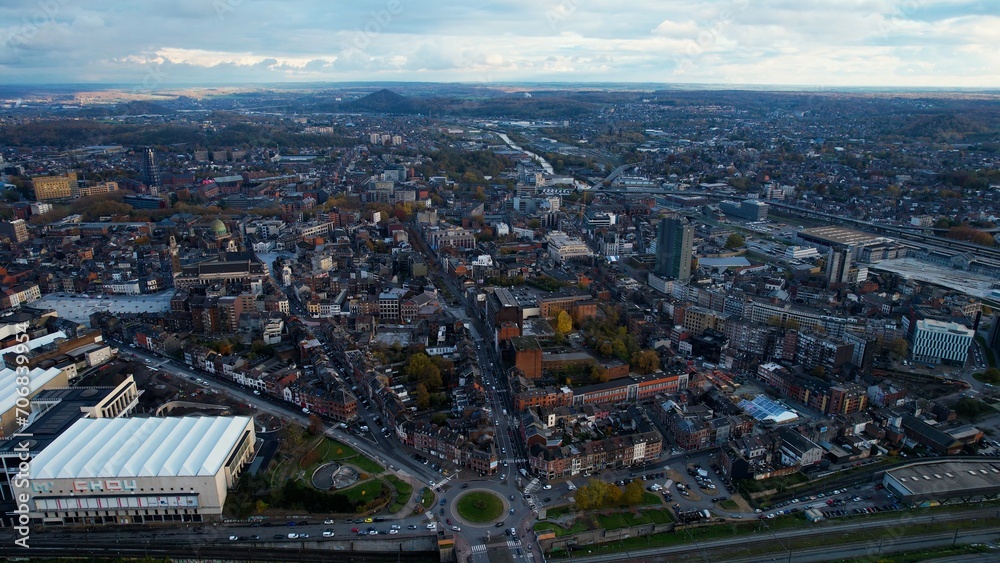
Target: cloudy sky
x: 925, y: 43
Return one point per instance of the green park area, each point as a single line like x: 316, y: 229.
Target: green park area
x: 479, y: 506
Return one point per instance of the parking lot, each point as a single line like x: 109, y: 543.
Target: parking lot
x: 840, y: 503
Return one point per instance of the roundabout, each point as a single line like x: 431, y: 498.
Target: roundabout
x: 480, y: 506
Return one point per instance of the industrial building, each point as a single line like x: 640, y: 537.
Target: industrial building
x: 750, y: 209
x: 139, y: 470
x: 928, y: 483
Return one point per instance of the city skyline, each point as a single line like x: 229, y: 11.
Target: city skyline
x: 865, y: 43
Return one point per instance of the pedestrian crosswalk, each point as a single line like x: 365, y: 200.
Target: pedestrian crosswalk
x: 482, y: 548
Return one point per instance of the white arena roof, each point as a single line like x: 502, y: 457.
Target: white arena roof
x: 762, y: 408
x: 140, y: 447
x: 37, y: 378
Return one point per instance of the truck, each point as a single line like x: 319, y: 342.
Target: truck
x: 668, y: 484
x: 570, y: 485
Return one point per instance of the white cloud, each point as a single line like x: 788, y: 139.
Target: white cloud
x: 851, y: 42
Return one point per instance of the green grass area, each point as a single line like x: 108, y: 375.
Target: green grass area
x: 428, y: 498
x: 364, y: 492
x: 992, y: 378
x: 479, y: 506
x: 612, y: 522
x: 635, y: 519
x: 557, y: 511
x: 779, y: 483
x: 332, y: 450
x: 658, y: 516
x: 403, y: 492
x: 728, y: 505
x: 365, y: 464
x: 650, y: 498
x: 581, y: 524
x: 337, y: 451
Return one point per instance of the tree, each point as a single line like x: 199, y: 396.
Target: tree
x: 425, y: 371
x: 598, y: 374
x: 735, y: 240
x: 315, y: 425
x: 646, y: 362
x: 991, y: 376
x: 423, y: 397
x: 633, y: 493
x: 564, y: 323
x: 293, y: 435
x: 898, y: 347
x: 970, y: 408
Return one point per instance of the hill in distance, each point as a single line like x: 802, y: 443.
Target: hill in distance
x: 385, y: 101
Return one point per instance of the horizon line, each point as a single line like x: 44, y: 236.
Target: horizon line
x: 680, y: 86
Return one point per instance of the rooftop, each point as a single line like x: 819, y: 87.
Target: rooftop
x: 838, y: 236
x: 140, y: 447
x: 37, y: 378
x: 947, y: 477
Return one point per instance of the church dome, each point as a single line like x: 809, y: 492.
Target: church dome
x: 219, y: 228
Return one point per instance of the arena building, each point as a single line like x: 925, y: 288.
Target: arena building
x: 138, y: 470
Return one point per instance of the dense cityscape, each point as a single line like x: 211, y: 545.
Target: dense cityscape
x: 499, y: 323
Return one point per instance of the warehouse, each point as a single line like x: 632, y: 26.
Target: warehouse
x: 137, y: 470
x: 942, y: 482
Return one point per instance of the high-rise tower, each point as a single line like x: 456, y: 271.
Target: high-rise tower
x: 674, y: 247
x: 150, y: 169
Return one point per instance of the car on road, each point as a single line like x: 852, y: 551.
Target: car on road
x: 411, y: 527
x: 547, y: 487
x: 327, y: 533
x: 511, y: 497
x: 501, y: 524
x: 431, y: 526
x: 279, y: 536
x: 293, y: 536
x: 233, y: 538
x: 448, y: 520
x: 328, y: 521
x: 465, y: 485
x: 456, y: 529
